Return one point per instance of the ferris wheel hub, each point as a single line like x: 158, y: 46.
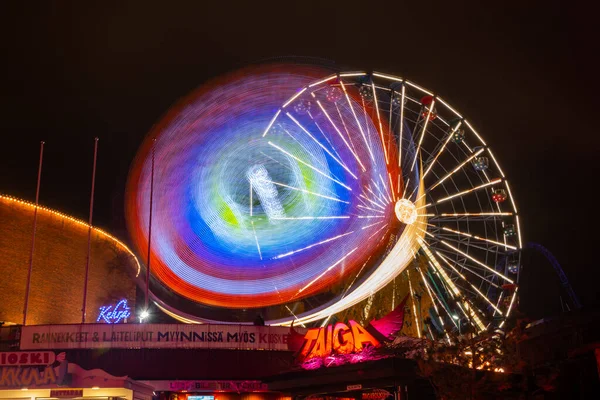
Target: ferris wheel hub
x: 406, y: 211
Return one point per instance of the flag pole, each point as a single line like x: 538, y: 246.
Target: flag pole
x: 37, y: 198
x: 145, y: 311
x: 87, y: 265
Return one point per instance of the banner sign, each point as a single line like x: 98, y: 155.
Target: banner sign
x: 208, y: 386
x: 62, y: 393
x: 17, y: 377
x: 207, y: 336
x: 18, y: 358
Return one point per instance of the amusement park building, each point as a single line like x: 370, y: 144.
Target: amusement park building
x: 57, y: 279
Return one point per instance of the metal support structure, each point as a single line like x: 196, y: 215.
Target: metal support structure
x: 37, y: 198
x: 149, y: 229
x: 87, y: 265
x: 559, y: 271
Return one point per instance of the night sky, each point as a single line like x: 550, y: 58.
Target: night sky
x: 524, y: 74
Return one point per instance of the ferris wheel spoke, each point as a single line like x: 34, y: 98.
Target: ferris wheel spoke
x: 455, y: 292
x: 372, y: 202
x: 465, y: 192
x: 417, y: 152
x: 309, y: 165
x: 369, y: 208
x: 431, y: 164
x: 464, y: 278
x: 357, y: 121
x: 463, y: 266
x: 385, y: 151
x: 477, y: 262
x: 439, y: 237
x: 321, y: 145
x: 453, y: 171
x: 341, y: 136
x: 479, y: 238
x: 331, y: 239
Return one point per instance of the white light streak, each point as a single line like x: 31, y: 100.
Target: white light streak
x: 475, y: 132
x: 422, y: 134
x: 392, y: 186
x: 271, y: 123
x: 342, y: 136
x: 519, y: 231
x: 387, y: 161
x: 469, y: 190
x: 294, y: 97
x: 456, y: 169
x: 385, y: 187
x: 309, y: 166
x: 370, y: 225
x: 326, y: 271
x: 353, y: 74
x: 311, y: 218
x: 419, y: 88
x: 492, y: 270
x: 357, y: 121
x: 412, y: 295
x: 313, y: 245
x: 392, y: 78
x: 369, y: 208
x: 479, y: 238
x: 401, y: 128
x: 511, y: 302
x: 449, y: 108
x: 512, y: 200
x: 256, y: 240
x: 306, y: 191
x: 442, y: 149
x: 321, y: 145
x: 377, y: 231
x: 496, y: 162
x: 476, y: 214
x: 472, y: 286
x: 322, y: 80
x: 372, y: 202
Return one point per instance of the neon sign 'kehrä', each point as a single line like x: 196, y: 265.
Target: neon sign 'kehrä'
x: 114, y: 314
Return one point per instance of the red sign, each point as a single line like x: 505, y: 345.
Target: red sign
x: 336, y: 339
x: 62, y: 393
x: 15, y: 358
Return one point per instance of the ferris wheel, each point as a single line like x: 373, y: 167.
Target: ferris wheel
x: 301, y: 206
x: 416, y: 179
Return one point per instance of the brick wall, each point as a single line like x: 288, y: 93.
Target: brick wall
x: 59, y: 262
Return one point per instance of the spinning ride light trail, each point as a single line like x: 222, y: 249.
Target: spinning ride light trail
x: 281, y: 182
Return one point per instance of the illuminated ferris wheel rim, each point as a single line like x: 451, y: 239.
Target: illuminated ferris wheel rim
x: 375, y: 281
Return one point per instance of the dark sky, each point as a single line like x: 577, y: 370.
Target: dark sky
x: 523, y: 72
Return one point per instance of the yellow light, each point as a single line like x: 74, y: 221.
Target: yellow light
x: 95, y: 388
